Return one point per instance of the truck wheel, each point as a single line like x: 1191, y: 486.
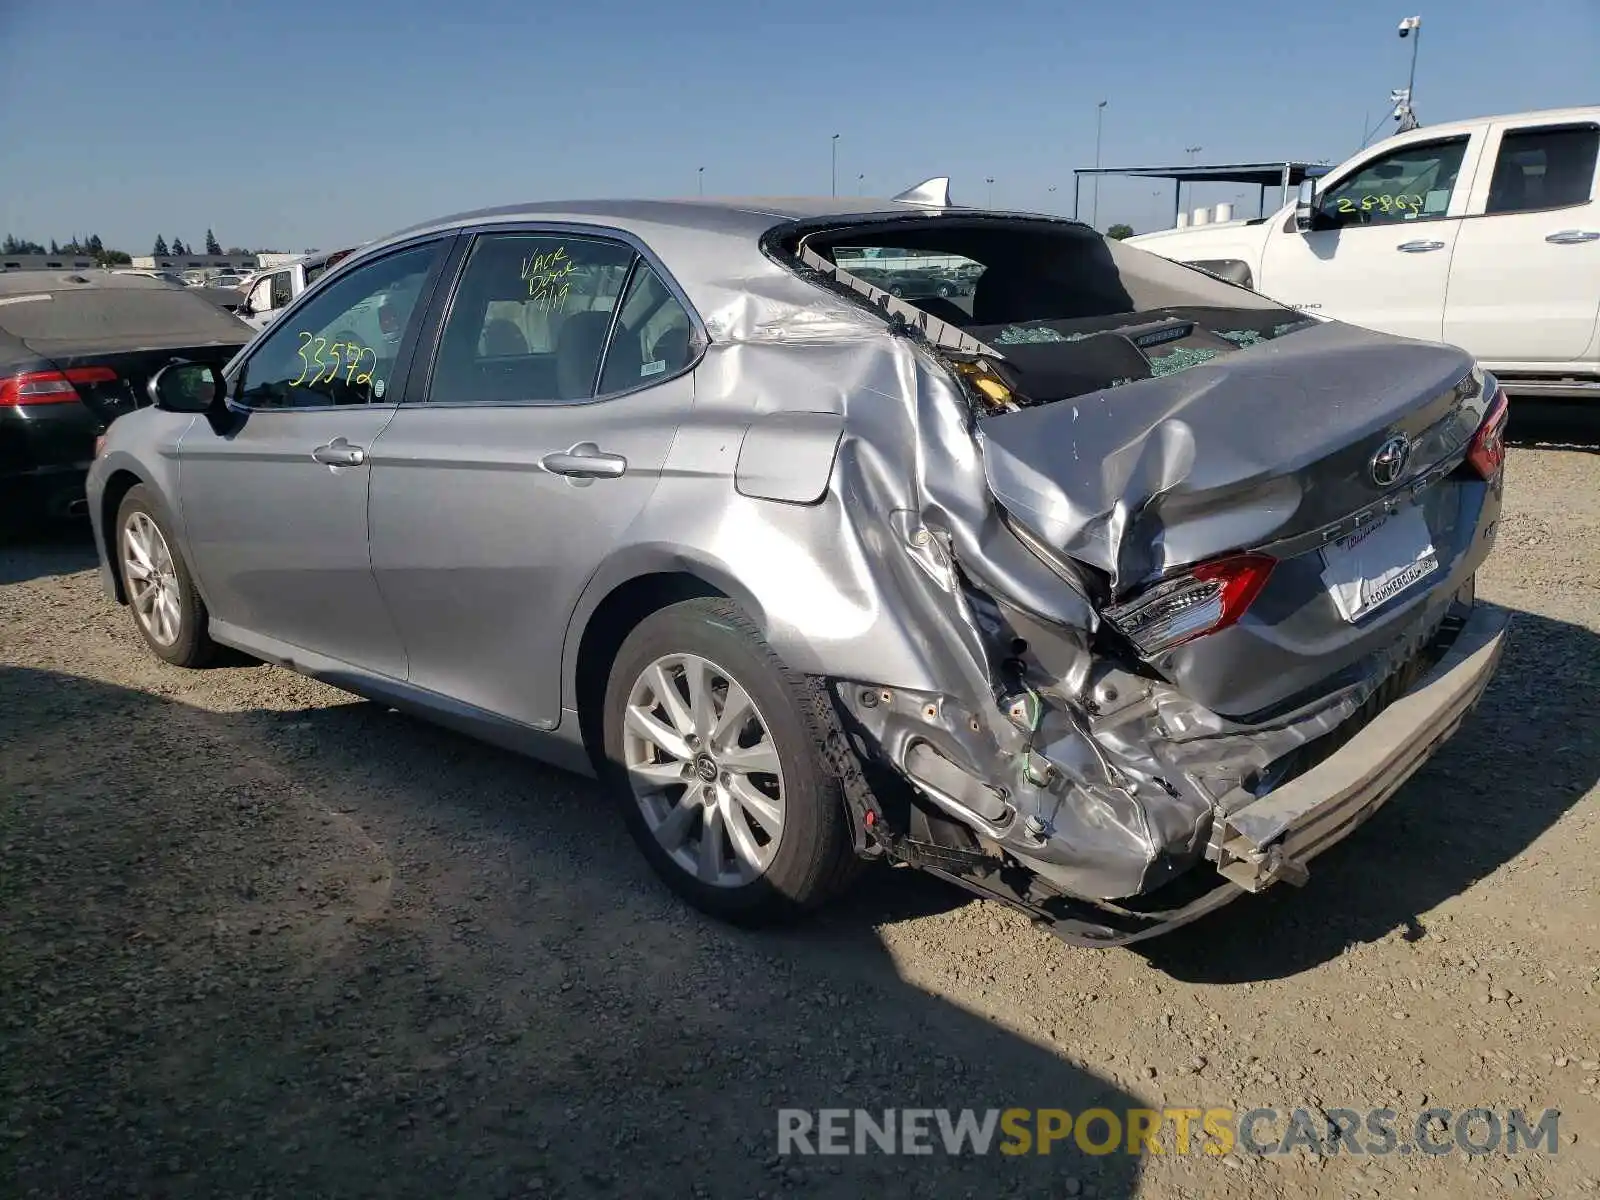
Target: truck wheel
x: 713, y: 747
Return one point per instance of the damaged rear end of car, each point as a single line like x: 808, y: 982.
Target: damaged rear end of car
x: 1200, y: 569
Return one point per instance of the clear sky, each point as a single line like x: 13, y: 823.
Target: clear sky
x: 291, y: 124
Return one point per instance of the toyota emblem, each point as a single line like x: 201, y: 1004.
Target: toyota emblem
x: 1389, y: 460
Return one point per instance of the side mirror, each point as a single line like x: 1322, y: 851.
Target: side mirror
x: 1305, y: 209
x: 187, y: 387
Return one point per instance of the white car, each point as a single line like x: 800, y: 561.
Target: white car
x: 1483, y: 233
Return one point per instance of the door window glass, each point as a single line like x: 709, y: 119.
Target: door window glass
x: 341, y: 347
x: 1403, y: 185
x: 281, y: 294
x: 653, y: 337
x: 1544, y: 168
x: 261, y: 296
x: 529, y: 320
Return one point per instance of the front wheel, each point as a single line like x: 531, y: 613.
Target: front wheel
x: 167, y: 609
x: 714, y: 747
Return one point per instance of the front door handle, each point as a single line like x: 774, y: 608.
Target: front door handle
x: 585, y: 461
x: 1571, y: 237
x: 340, y: 453
x: 1419, y: 247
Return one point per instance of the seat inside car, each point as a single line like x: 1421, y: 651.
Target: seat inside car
x: 502, y: 338
x: 578, y: 353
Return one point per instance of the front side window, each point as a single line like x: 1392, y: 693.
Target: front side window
x: 529, y: 320
x: 281, y: 291
x: 342, y: 346
x: 261, y: 296
x: 1404, y: 185
x: 1544, y: 168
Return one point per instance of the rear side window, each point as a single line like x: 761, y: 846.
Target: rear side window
x: 281, y: 293
x: 1544, y: 168
x: 529, y: 320
x: 653, y: 338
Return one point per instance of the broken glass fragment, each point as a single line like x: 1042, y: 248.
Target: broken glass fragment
x: 1014, y: 335
x: 1181, y: 359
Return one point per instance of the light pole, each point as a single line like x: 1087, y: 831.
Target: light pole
x: 1407, y: 114
x: 834, y: 143
x: 1099, y: 124
x: 990, y: 181
x: 1049, y: 192
x: 1191, y: 151
x: 700, y: 181
x: 861, y: 184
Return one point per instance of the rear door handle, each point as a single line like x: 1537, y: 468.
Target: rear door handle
x: 340, y: 453
x: 585, y: 461
x: 1419, y: 247
x: 1571, y: 237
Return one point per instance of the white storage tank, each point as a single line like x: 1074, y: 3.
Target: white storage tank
x: 1183, y: 220
x: 1224, y: 213
x: 1202, y: 216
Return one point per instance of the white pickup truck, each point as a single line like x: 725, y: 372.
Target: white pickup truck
x: 270, y: 291
x: 1483, y: 233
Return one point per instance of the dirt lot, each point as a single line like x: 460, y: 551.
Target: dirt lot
x: 263, y: 939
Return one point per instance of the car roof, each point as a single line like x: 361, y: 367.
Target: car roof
x: 711, y: 247
x: 741, y: 217
x: 1544, y: 116
x: 15, y: 283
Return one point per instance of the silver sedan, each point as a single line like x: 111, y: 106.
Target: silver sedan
x: 1107, y: 589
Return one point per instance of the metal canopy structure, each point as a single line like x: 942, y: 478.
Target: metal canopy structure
x: 1284, y: 175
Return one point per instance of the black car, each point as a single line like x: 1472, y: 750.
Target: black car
x: 76, y: 350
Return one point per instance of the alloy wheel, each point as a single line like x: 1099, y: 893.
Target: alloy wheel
x: 704, y: 770
x: 152, y: 579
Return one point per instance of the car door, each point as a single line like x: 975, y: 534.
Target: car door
x: 274, y: 496
x: 258, y: 302
x: 562, y: 370
x: 1378, y: 253
x: 1525, y: 279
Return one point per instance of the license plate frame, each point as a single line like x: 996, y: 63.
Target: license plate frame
x: 1383, y: 559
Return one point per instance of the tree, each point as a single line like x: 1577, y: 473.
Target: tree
x: 116, y: 258
x: 1119, y: 231
x: 178, y: 247
x: 96, y: 246
x: 161, y: 250
x: 212, y: 245
x: 54, y: 249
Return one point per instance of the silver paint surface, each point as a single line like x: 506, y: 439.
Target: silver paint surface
x: 824, y: 466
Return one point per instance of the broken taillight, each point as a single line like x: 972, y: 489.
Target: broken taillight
x: 1202, y: 600
x: 1487, y: 451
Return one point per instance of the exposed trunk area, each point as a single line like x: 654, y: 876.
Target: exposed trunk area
x: 1244, y: 450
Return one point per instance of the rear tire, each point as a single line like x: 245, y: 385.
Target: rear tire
x: 167, y: 609
x: 709, y: 736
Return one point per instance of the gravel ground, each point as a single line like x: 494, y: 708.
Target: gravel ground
x: 264, y: 939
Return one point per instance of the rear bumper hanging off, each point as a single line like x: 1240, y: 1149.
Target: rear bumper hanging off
x: 1255, y: 842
